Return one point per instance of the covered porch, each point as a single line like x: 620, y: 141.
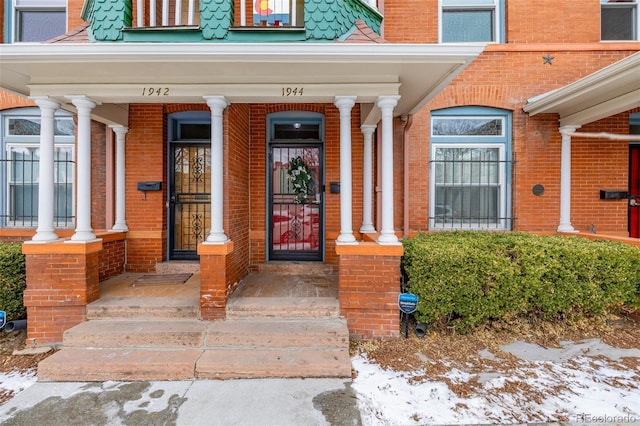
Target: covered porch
x: 360, y: 90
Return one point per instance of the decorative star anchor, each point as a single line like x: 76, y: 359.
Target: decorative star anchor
x: 548, y: 59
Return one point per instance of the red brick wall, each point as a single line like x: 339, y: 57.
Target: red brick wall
x: 536, y: 141
x: 258, y: 163
x: 368, y: 292
x: 145, y: 160
x: 59, y: 286
x: 236, y: 196
x: 112, y: 258
x: 553, y: 21
x: 416, y: 21
x: 98, y: 175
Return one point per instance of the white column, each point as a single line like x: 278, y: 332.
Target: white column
x: 344, y: 104
x: 45, y: 230
x: 216, y: 234
x: 83, y: 231
x: 367, y: 179
x: 565, y: 181
x: 386, y: 105
x: 121, y: 223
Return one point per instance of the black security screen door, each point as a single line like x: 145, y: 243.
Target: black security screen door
x: 189, y: 186
x: 295, y: 202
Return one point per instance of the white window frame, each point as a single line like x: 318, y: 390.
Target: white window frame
x: 490, y: 4
x: 20, y: 6
x: 10, y: 141
x: 502, y: 223
x: 635, y: 5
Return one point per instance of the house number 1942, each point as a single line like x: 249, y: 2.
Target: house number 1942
x: 292, y: 91
x: 155, y: 91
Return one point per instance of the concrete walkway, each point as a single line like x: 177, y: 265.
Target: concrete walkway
x: 261, y: 402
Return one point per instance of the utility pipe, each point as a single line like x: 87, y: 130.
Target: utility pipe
x: 15, y: 325
x: 405, y: 146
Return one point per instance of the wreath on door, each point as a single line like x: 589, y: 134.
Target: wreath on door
x: 301, y: 179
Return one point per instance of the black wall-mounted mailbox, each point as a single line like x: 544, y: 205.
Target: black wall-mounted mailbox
x: 149, y: 186
x: 613, y: 194
x: 334, y: 187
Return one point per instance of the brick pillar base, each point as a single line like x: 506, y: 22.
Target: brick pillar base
x: 62, y: 278
x: 214, y: 291
x: 369, y: 285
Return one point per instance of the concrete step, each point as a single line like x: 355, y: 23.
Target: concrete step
x: 322, y: 334
x: 283, y: 307
x: 137, y: 333
x: 86, y: 364
x: 178, y: 267
x: 296, y: 268
x: 144, y: 308
x: 262, y: 363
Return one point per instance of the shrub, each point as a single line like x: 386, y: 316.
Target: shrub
x: 12, y: 280
x: 467, y: 278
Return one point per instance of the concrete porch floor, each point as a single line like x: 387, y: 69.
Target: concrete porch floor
x: 254, y: 285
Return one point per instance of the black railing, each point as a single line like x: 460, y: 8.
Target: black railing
x: 20, y: 206
x: 471, y: 194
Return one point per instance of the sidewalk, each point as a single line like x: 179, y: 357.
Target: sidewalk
x: 190, y: 403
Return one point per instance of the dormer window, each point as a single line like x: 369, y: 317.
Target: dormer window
x: 38, y: 20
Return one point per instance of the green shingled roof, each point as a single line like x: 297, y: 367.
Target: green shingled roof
x: 330, y: 19
x: 107, y: 18
x: 216, y: 17
x: 325, y: 20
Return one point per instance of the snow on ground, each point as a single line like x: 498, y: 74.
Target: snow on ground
x: 588, y: 382
x: 16, y: 381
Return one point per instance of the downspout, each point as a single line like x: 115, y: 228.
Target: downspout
x: 405, y: 146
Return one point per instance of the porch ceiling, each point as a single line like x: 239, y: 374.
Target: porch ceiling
x: 118, y: 74
x: 609, y: 91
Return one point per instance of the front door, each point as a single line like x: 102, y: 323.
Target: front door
x: 634, y: 191
x: 295, y: 211
x: 189, y: 198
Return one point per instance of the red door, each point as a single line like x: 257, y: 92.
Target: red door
x: 634, y: 191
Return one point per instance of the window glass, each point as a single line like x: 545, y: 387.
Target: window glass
x: 618, y: 19
x: 455, y: 126
x: 19, y: 165
x: 469, y: 171
x: 23, y: 172
x: 29, y: 126
x: 470, y: 21
x: 39, y: 25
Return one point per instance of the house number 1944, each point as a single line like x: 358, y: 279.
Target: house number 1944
x: 155, y: 91
x: 292, y: 91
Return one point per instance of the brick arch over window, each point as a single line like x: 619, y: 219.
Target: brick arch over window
x: 488, y: 96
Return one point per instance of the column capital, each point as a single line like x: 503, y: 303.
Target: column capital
x: 119, y: 129
x: 216, y: 102
x: 345, y: 102
x: 389, y: 101
x: 368, y: 129
x: 82, y: 101
x: 568, y: 129
x: 45, y: 102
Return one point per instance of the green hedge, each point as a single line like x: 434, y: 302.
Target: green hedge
x: 467, y: 278
x: 12, y: 280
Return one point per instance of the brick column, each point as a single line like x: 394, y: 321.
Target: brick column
x: 368, y: 289
x: 214, y: 289
x: 62, y: 278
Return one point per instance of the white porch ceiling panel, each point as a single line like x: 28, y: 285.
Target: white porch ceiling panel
x: 609, y: 91
x: 118, y: 74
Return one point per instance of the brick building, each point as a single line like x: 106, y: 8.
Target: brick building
x: 315, y: 131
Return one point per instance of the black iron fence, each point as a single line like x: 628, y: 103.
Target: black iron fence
x: 20, y: 204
